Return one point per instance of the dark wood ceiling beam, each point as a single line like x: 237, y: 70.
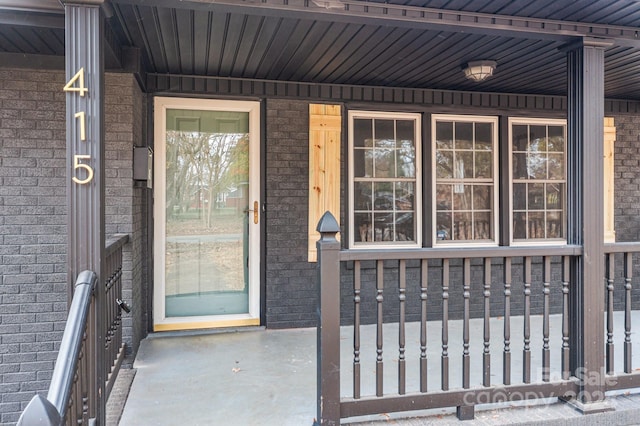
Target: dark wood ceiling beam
x: 358, y: 11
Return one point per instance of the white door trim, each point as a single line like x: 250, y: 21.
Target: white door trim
x: 160, y: 321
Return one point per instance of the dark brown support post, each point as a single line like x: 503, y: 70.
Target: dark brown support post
x: 506, y: 354
x: 466, y: 412
x: 328, y: 346
x: 585, y: 214
x: 84, y: 90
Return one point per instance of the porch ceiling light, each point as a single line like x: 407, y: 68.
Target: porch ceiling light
x: 479, y: 70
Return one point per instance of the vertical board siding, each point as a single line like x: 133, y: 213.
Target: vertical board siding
x: 325, y: 125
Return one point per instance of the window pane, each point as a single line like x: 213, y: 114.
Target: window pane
x: 482, y: 199
x: 444, y: 135
x: 384, y: 163
x: 384, y: 132
x: 405, y: 226
x: 464, y: 165
x: 519, y: 226
x: 556, y: 166
x: 482, y: 226
x: 538, y: 138
x: 519, y: 196
x: 405, y: 130
x: 363, y: 163
x: 362, y: 193
x: 554, y: 225
x: 556, y: 138
x: 443, y: 226
x: 383, y: 196
x: 462, y: 197
x: 443, y: 197
x: 364, y: 230
x: 464, y: 135
x: 520, y: 138
x: 554, y: 196
x: 406, y: 159
x: 404, y: 195
x: 444, y: 164
x: 520, y: 166
x: 484, y: 136
x: 536, y: 166
x: 383, y: 227
x: 536, y: 196
x: 462, y: 226
x: 484, y: 164
x: 362, y: 131
x: 536, y: 225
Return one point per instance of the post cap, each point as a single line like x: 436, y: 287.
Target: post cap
x: 328, y: 224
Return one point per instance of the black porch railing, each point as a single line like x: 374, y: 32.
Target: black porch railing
x: 73, y: 395
x: 515, y: 293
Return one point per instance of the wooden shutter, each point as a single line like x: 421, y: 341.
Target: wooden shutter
x: 609, y: 184
x: 325, y: 126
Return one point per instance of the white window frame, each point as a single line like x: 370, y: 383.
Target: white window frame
x: 546, y: 122
x: 417, y: 119
x: 495, y: 175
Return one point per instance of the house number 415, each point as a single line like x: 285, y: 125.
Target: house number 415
x: 76, y: 84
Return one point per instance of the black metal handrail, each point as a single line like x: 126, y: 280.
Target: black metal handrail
x: 52, y: 409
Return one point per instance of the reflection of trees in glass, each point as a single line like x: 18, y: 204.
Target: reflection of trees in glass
x: 200, y: 167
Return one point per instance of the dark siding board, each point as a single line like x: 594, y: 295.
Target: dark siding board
x: 152, y: 38
x: 293, y: 54
x: 202, y: 27
x: 168, y: 33
x: 247, y: 46
x: 217, y: 37
x: 184, y: 30
x: 284, y: 31
x: 233, y: 37
x: 264, y: 38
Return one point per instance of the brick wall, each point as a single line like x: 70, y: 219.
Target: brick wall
x: 290, y: 279
x: 126, y: 203
x: 33, y: 293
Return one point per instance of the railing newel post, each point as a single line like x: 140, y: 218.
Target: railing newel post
x: 328, y: 331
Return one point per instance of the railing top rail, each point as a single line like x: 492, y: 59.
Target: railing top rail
x: 115, y: 242
x: 626, y: 247
x: 458, y: 253
x: 52, y: 410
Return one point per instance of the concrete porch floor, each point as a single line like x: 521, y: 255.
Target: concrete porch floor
x: 268, y: 377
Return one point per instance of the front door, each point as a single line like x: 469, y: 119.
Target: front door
x: 206, y: 213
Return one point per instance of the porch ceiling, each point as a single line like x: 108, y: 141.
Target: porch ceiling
x: 403, y: 43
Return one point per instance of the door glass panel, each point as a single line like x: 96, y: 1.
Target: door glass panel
x: 207, y: 182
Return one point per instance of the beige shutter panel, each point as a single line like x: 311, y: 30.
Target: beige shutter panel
x: 609, y: 184
x: 325, y: 126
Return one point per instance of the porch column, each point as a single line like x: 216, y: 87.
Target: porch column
x: 84, y: 91
x: 585, y: 191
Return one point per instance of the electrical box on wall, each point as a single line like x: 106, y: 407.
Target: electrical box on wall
x: 143, y: 165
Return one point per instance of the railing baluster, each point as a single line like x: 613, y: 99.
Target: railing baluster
x: 628, y: 274
x: 402, y: 280
x: 486, y: 354
x: 610, y: 274
x: 546, y: 355
x: 356, y: 329
x: 565, y: 317
x: 526, y: 352
x: 466, y: 365
x: 506, y: 354
x: 424, y: 271
x: 379, y: 299
x: 445, y: 325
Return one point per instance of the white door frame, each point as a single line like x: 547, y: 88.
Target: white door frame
x: 160, y: 321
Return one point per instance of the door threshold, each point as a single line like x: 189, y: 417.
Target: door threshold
x: 205, y: 331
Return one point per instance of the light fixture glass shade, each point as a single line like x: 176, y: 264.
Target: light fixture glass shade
x: 479, y: 70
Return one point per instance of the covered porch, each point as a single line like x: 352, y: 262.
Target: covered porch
x: 268, y: 377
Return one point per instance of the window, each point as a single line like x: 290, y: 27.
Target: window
x: 465, y: 179
x: 538, y: 180
x: 384, y: 179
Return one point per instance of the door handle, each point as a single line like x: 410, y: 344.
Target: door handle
x: 255, y: 211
